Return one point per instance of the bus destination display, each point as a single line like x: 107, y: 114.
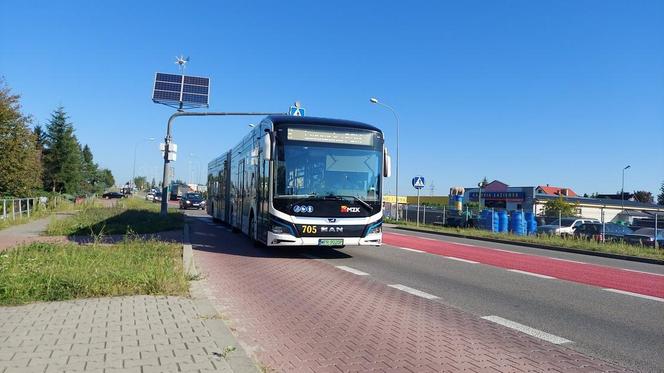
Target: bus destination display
x: 331, y: 136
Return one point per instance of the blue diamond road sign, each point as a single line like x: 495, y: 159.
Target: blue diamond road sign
x: 418, y: 182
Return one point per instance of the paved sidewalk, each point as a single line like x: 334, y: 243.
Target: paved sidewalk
x: 29, y: 232
x: 122, y: 334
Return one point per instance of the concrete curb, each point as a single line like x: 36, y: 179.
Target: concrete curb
x: 538, y: 246
x: 237, y: 358
x: 188, y: 253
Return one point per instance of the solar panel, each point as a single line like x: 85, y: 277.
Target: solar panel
x: 186, y: 90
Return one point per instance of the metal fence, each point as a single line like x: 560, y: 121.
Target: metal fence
x: 17, y: 208
x: 432, y: 215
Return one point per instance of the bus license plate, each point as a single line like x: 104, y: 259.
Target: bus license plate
x: 330, y: 242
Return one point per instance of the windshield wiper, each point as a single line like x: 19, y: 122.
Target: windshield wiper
x: 356, y: 198
x: 311, y: 196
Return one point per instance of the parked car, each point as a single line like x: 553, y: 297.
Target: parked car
x: 646, y: 237
x: 593, y: 231
x: 564, y: 226
x: 192, y: 200
x: 109, y: 195
x: 157, y: 197
x: 149, y: 196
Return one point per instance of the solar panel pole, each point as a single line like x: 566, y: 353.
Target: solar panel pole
x: 167, y: 142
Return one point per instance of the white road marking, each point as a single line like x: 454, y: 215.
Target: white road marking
x: 647, y: 273
x: 527, y: 330
x: 413, y: 250
x: 310, y: 256
x: 413, y: 291
x: 568, y: 260
x: 460, y: 260
x: 400, y: 234
x: 463, y: 244
x: 352, y: 270
x: 505, y: 251
x: 635, y: 294
x: 531, y: 274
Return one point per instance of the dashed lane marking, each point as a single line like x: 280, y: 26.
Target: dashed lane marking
x: 647, y: 273
x: 650, y: 297
x: 352, y: 270
x: 531, y: 274
x: 461, y: 260
x: 413, y: 250
x: 505, y: 251
x: 567, y: 260
x: 413, y: 291
x: 527, y: 330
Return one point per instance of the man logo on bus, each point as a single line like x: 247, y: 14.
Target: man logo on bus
x: 346, y: 209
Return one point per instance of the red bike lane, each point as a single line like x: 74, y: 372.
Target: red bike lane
x: 584, y: 273
x: 302, y: 315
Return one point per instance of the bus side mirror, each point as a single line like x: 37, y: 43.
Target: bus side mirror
x: 387, y: 164
x: 267, y: 147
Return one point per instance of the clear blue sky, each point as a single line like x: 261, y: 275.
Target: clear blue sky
x: 527, y: 92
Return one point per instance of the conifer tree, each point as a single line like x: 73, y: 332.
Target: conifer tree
x: 20, y: 167
x: 62, y: 157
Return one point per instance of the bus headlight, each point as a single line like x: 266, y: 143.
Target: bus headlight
x: 278, y: 229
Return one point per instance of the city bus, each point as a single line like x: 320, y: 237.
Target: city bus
x: 302, y: 181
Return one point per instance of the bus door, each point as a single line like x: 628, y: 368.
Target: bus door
x: 239, y: 213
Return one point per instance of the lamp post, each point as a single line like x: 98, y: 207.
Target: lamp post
x: 622, y: 189
x: 374, y: 100
x: 133, y: 172
x: 195, y: 175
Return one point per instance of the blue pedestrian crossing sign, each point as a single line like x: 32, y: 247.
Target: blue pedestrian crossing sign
x: 296, y: 111
x: 418, y: 182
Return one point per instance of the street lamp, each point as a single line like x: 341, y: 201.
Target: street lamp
x: 196, y: 175
x: 374, y: 100
x: 622, y: 189
x: 133, y: 172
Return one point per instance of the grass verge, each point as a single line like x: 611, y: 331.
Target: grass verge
x: 572, y: 243
x: 131, y: 215
x: 54, y: 272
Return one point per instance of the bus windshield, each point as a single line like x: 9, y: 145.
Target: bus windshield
x: 322, y: 170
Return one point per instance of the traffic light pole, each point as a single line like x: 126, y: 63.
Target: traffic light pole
x: 167, y: 142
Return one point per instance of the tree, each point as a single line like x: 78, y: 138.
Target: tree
x: 140, y: 182
x: 20, y: 165
x: 643, y: 196
x: 106, y: 179
x: 559, y: 207
x: 62, y: 157
x: 660, y: 196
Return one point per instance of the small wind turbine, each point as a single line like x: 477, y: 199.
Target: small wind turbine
x: 182, y: 61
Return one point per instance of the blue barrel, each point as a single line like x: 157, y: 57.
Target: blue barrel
x: 502, y: 221
x: 531, y: 223
x: 489, y: 220
x: 518, y: 223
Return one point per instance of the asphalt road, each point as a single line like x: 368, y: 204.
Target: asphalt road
x: 617, y: 327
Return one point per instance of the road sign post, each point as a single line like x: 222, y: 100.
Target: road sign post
x: 418, y: 183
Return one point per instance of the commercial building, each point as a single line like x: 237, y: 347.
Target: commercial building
x: 501, y: 196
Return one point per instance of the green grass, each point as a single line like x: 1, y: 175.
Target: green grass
x: 131, y: 215
x: 573, y: 243
x: 53, y: 272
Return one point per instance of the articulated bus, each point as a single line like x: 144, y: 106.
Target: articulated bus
x: 295, y: 181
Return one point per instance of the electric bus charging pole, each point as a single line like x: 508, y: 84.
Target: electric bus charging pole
x: 167, y: 142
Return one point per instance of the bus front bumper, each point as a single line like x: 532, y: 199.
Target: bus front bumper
x: 283, y: 239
